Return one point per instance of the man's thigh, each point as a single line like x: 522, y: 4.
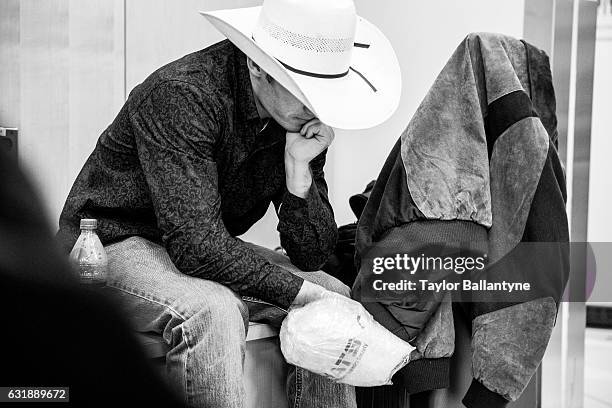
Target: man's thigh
x: 152, y: 291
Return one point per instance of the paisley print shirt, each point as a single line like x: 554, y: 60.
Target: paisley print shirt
x: 189, y: 164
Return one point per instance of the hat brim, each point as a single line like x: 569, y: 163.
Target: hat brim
x: 366, y: 97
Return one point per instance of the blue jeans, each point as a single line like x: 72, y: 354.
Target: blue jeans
x: 205, y: 325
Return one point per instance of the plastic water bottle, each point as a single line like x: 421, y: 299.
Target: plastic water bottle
x: 88, y: 255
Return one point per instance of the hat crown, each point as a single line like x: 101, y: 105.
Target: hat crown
x: 312, y: 36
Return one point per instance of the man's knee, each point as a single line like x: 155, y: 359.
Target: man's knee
x: 218, y: 308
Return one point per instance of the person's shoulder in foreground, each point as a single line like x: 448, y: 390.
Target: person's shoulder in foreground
x: 87, y: 345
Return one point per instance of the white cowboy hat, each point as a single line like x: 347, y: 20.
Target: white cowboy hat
x: 338, y: 64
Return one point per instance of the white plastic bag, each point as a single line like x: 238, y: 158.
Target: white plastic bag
x: 337, y: 338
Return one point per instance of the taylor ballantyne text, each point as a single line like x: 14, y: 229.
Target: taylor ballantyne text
x: 444, y: 285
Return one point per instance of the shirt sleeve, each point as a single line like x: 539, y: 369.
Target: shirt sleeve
x: 308, y: 231
x: 176, y: 129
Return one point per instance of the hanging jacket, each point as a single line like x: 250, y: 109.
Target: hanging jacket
x: 475, y: 172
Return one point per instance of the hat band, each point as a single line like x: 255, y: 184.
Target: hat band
x: 327, y: 76
x: 312, y: 74
x: 307, y: 73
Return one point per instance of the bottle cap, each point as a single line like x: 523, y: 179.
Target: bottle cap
x: 89, y: 223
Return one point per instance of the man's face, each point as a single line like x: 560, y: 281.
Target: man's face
x: 285, y: 108
x: 280, y: 104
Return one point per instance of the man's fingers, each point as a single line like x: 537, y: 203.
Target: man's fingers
x: 312, y: 130
x: 332, y: 135
x: 308, y: 124
x: 315, y: 127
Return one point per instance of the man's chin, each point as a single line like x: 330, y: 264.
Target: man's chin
x: 291, y: 124
x: 292, y: 127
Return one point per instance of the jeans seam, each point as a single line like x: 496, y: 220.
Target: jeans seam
x: 187, y: 376
x: 131, y: 292
x: 262, y: 302
x: 298, y: 387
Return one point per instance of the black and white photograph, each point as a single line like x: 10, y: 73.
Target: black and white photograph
x: 306, y: 203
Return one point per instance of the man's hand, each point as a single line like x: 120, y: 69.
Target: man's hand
x: 314, y: 137
x: 300, y: 149
x: 309, y: 292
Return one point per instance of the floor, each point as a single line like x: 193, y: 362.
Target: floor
x: 598, y: 368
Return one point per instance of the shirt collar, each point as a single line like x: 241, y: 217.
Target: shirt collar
x: 246, y: 98
x: 268, y: 131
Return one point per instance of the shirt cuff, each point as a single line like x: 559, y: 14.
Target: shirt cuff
x: 290, y: 291
x: 294, y: 210
x: 293, y: 202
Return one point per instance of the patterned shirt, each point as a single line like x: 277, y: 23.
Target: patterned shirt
x: 188, y: 163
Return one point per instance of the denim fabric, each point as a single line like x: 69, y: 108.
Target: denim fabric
x: 205, y: 324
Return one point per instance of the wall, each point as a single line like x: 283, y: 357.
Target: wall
x: 79, y: 57
x: 424, y: 34
x: 61, y: 83
x: 600, y: 185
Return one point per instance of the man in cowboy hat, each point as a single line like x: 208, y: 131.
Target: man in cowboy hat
x: 195, y: 157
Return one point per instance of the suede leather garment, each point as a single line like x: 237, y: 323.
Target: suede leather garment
x: 476, y: 165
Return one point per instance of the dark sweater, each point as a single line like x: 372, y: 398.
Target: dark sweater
x: 187, y: 164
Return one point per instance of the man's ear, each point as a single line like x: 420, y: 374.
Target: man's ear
x: 254, y: 69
